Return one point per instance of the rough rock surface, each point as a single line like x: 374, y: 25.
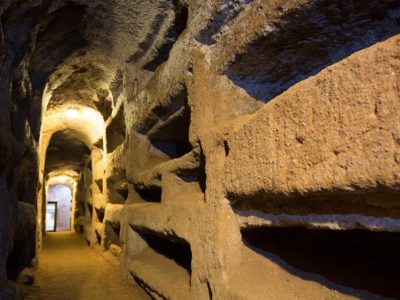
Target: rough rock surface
x: 204, y: 140
x: 339, y: 134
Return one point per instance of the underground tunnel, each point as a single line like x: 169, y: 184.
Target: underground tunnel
x: 199, y: 149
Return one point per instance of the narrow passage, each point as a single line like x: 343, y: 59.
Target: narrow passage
x: 69, y: 269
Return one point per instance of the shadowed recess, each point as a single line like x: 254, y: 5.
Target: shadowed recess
x: 357, y: 258
x: 172, y: 247
x: 308, y: 39
x: 369, y: 202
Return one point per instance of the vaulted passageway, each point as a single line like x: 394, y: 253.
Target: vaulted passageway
x: 210, y: 149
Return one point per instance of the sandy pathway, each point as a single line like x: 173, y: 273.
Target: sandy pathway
x: 69, y: 269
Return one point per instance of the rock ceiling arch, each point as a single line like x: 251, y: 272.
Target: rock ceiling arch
x: 65, y: 152
x: 82, y: 44
x: 85, y: 124
x: 187, y: 125
x: 80, y: 48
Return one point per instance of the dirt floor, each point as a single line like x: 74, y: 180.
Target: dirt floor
x: 69, y: 269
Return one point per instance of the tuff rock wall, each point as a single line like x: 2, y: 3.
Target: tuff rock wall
x: 229, y: 150
x: 19, y: 157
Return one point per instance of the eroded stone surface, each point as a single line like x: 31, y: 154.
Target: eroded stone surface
x: 338, y: 135
x: 181, y: 126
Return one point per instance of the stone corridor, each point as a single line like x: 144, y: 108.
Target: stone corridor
x: 69, y: 269
x: 207, y: 149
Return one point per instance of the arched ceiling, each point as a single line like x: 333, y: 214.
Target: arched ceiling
x: 70, y: 132
x: 84, y: 44
x: 83, y: 49
x: 67, y: 178
x: 79, y: 55
x: 83, y: 123
x: 65, y: 152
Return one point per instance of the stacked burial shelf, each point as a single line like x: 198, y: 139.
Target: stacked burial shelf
x: 340, y: 237
x: 83, y: 199
x: 95, y: 203
x: 117, y: 191
x: 169, y: 194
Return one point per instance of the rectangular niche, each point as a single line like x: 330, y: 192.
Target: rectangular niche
x: 118, y: 190
x: 368, y: 203
x: 357, y: 259
x: 193, y: 175
x: 100, y: 214
x: 113, y: 231
x: 167, y: 125
x: 182, y: 177
x: 116, y: 131
x: 90, y: 209
x: 150, y: 193
x: 164, y: 266
x: 99, y: 185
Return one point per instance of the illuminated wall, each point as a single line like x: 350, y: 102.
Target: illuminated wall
x: 62, y: 195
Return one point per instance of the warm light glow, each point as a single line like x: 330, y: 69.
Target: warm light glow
x: 84, y: 113
x: 83, y: 120
x: 61, y: 179
x: 72, y: 113
x: 90, y: 114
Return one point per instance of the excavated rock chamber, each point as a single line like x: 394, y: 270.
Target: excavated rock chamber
x: 215, y: 149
